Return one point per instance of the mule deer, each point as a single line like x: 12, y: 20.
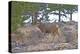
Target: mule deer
x: 49, y: 28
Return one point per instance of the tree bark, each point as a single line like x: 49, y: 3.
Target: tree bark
x: 70, y: 16
x: 34, y: 18
x: 59, y: 17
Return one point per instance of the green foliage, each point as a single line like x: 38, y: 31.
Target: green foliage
x: 53, y: 7
x: 61, y: 7
x: 17, y: 9
x: 70, y: 9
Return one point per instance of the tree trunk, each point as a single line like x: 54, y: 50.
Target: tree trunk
x: 70, y: 16
x: 59, y: 17
x: 34, y: 18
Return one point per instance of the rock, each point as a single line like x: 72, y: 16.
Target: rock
x: 61, y: 46
x: 40, y: 47
x: 70, y: 32
x: 31, y: 38
x: 31, y: 34
x: 48, y: 38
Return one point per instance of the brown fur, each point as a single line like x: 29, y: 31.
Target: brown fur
x: 49, y: 28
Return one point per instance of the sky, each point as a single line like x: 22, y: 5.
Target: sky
x: 75, y: 17
x: 55, y: 17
